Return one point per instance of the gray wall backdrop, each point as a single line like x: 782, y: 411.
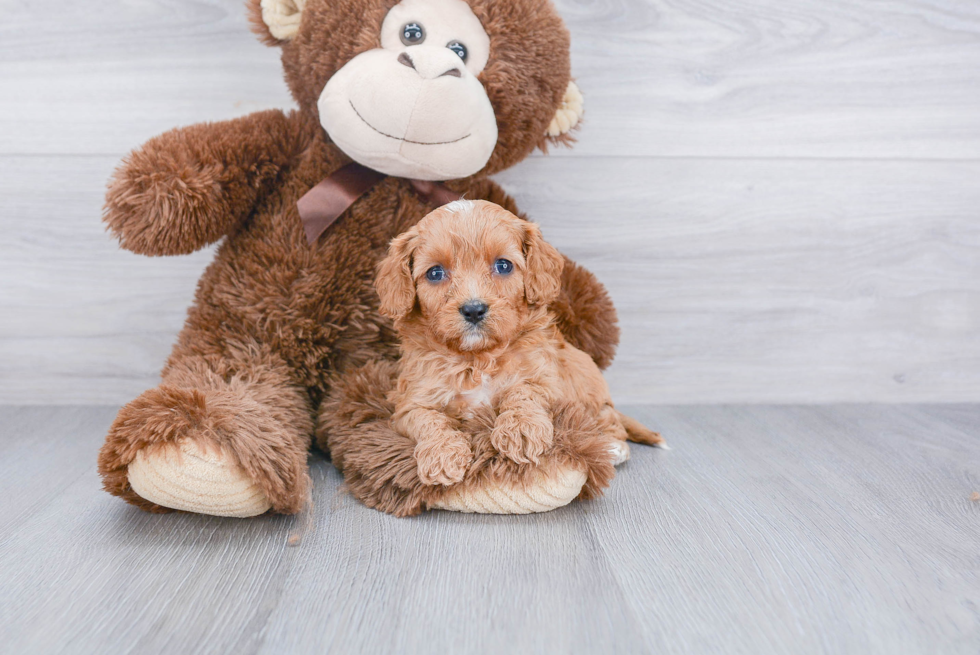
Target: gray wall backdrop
x: 783, y: 196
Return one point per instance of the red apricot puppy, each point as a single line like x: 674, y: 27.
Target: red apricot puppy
x: 468, y: 288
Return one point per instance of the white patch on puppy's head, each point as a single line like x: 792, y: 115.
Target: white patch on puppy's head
x: 459, y: 206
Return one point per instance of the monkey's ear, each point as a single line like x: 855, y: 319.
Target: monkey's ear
x: 542, y: 269
x: 394, y: 282
x: 567, y: 117
x: 275, y: 21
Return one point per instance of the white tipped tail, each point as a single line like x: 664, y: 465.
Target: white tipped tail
x: 639, y: 433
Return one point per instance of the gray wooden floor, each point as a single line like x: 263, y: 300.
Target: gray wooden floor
x: 842, y: 529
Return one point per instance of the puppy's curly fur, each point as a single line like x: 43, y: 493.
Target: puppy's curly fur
x: 468, y: 289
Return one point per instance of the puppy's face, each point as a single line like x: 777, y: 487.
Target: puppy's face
x: 467, y: 275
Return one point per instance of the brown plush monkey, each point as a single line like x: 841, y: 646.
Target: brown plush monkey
x: 285, y: 340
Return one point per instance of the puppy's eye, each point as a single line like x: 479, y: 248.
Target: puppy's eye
x: 503, y: 267
x: 458, y: 48
x: 413, y: 34
x: 435, y: 274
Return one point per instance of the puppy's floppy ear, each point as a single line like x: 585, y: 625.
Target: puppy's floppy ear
x: 542, y: 274
x: 394, y: 281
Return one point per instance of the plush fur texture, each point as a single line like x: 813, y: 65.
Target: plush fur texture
x: 283, y: 333
x: 379, y: 463
x: 510, y: 358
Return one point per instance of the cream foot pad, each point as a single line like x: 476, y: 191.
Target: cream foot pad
x: 186, y: 477
x: 551, y: 493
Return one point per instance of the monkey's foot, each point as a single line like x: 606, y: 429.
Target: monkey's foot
x: 185, y: 476
x: 547, y: 493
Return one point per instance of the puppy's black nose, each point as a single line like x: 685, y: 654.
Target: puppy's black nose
x: 474, y: 311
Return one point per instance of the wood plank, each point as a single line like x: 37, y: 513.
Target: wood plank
x: 91, y: 82
x: 799, y: 529
x: 803, y: 78
x: 77, y: 308
x: 776, y: 281
x: 736, y: 281
x: 34, y: 438
x: 798, y: 78
x: 842, y: 529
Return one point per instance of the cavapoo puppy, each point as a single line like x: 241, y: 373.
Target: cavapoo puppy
x: 468, y: 289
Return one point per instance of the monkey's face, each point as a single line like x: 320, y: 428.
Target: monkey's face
x: 414, y: 107
x: 427, y: 89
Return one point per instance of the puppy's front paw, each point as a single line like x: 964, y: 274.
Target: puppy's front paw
x: 523, y: 437
x: 444, y: 462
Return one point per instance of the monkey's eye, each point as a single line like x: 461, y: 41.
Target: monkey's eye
x: 435, y: 274
x: 413, y: 34
x: 458, y: 48
x: 503, y: 267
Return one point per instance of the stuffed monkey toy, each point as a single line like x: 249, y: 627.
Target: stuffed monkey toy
x: 403, y: 106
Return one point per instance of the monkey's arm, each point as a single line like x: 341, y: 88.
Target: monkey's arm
x: 191, y: 186
x: 585, y: 313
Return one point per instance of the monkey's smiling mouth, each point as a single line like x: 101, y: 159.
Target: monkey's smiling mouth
x: 420, y: 143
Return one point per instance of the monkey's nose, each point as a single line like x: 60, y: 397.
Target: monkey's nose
x: 474, y: 311
x: 405, y: 60
x: 431, y: 63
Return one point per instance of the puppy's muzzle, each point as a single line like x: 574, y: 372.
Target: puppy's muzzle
x: 474, y: 311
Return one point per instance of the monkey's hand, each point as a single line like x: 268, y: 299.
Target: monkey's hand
x: 191, y: 186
